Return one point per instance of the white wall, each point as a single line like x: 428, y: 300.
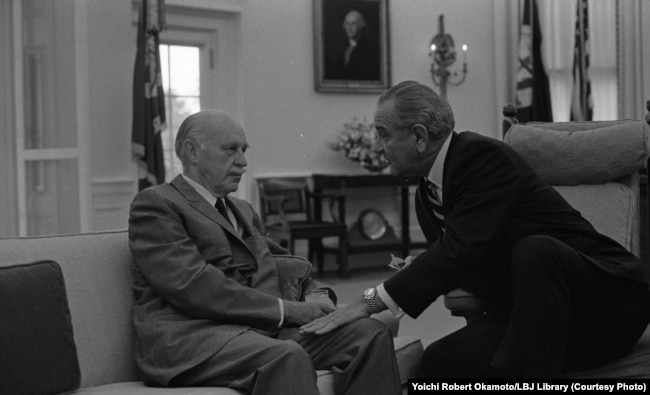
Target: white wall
x: 111, y: 55
x: 288, y: 124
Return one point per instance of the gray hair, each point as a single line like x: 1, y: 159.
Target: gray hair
x: 418, y: 104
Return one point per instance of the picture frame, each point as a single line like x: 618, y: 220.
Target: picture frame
x: 351, y: 46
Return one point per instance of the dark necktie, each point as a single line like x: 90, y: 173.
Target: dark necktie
x: 436, y: 204
x: 221, y: 207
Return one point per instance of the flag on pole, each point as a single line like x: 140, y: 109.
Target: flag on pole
x: 581, y: 100
x: 148, y: 97
x: 533, y: 97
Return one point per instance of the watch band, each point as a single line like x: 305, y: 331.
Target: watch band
x: 369, y: 297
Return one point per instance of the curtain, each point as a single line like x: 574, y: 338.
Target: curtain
x: 558, y: 19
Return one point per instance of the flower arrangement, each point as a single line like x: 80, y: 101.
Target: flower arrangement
x: 357, y: 140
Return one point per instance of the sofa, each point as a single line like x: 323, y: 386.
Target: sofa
x: 65, y: 326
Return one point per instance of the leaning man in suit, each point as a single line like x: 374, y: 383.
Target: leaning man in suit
x: 560, y: 296
x: 209, y: 307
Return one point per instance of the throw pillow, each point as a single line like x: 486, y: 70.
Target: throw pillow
x: 37, y: 350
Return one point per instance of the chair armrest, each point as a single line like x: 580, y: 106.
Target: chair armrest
x: 294, y: 276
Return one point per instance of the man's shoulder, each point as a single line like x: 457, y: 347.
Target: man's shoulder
x: 156, y: 195
x: 472, y: 147
x: 469, y: 137
x: 161, y: 189
x: 472, y: 143
x: 469, y: 146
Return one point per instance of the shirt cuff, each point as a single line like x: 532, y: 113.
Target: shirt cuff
x: 281, y: 303
x: 388, y: 301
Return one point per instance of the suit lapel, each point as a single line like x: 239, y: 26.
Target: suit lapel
x: 428, y: 222
x: 202, y: 206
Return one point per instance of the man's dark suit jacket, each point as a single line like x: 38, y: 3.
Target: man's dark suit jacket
x: 492, y: 199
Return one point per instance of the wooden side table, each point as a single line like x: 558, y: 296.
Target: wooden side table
x: 356, y: 243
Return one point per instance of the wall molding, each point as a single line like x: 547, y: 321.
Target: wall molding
x: 194, y: 7
x: 111, y: 199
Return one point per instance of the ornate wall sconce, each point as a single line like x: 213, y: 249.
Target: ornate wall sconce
x: 443, y: 54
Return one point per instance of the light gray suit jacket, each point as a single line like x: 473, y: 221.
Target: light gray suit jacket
x: 197, y: 281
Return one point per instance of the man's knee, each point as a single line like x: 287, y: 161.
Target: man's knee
x: 292, y: 354
x: 538, y: 253
x: 441, y: 359
x: 467, y: 352
x: 370, y: 328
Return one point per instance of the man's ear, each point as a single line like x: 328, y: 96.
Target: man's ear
x: 191, y: 149
x: 421, y: 136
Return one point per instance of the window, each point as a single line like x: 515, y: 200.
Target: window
x: 199, y: 58
x: 181, y: 74
x: 558, y: 18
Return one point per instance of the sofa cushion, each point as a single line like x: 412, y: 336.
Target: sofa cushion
x: 98, y: 274
x: 325, y: 386
x: 37, y: 349
x: 138, y: 388
x: 574, y: 153
x: 611, y: 208
x: 408, y: 351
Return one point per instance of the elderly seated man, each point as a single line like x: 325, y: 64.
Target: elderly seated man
x: 209, y: 308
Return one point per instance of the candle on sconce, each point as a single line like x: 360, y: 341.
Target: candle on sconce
x: 443, y: 55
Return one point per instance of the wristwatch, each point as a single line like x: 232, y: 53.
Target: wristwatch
x: 369, y: 296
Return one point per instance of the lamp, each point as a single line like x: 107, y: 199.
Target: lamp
x: 443, y: 53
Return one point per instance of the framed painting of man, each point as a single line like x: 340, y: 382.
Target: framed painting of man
x: 351, y: 48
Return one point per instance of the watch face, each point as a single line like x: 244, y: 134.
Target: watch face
x: 372, y: 224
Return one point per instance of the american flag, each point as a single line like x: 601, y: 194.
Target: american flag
x: 148, y: 97
x: 581, y: 100
x: 533, y: 96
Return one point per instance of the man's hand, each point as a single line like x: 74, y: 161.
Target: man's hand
x: 343, y: 315
x: 303, y: 312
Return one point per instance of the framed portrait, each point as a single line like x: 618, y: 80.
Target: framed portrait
x: 351, y: 46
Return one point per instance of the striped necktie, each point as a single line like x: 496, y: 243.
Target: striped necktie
x: 221, y: 207
x: 436, y: 204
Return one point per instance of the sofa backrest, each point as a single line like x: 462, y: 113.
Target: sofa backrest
x: 97, y: 270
